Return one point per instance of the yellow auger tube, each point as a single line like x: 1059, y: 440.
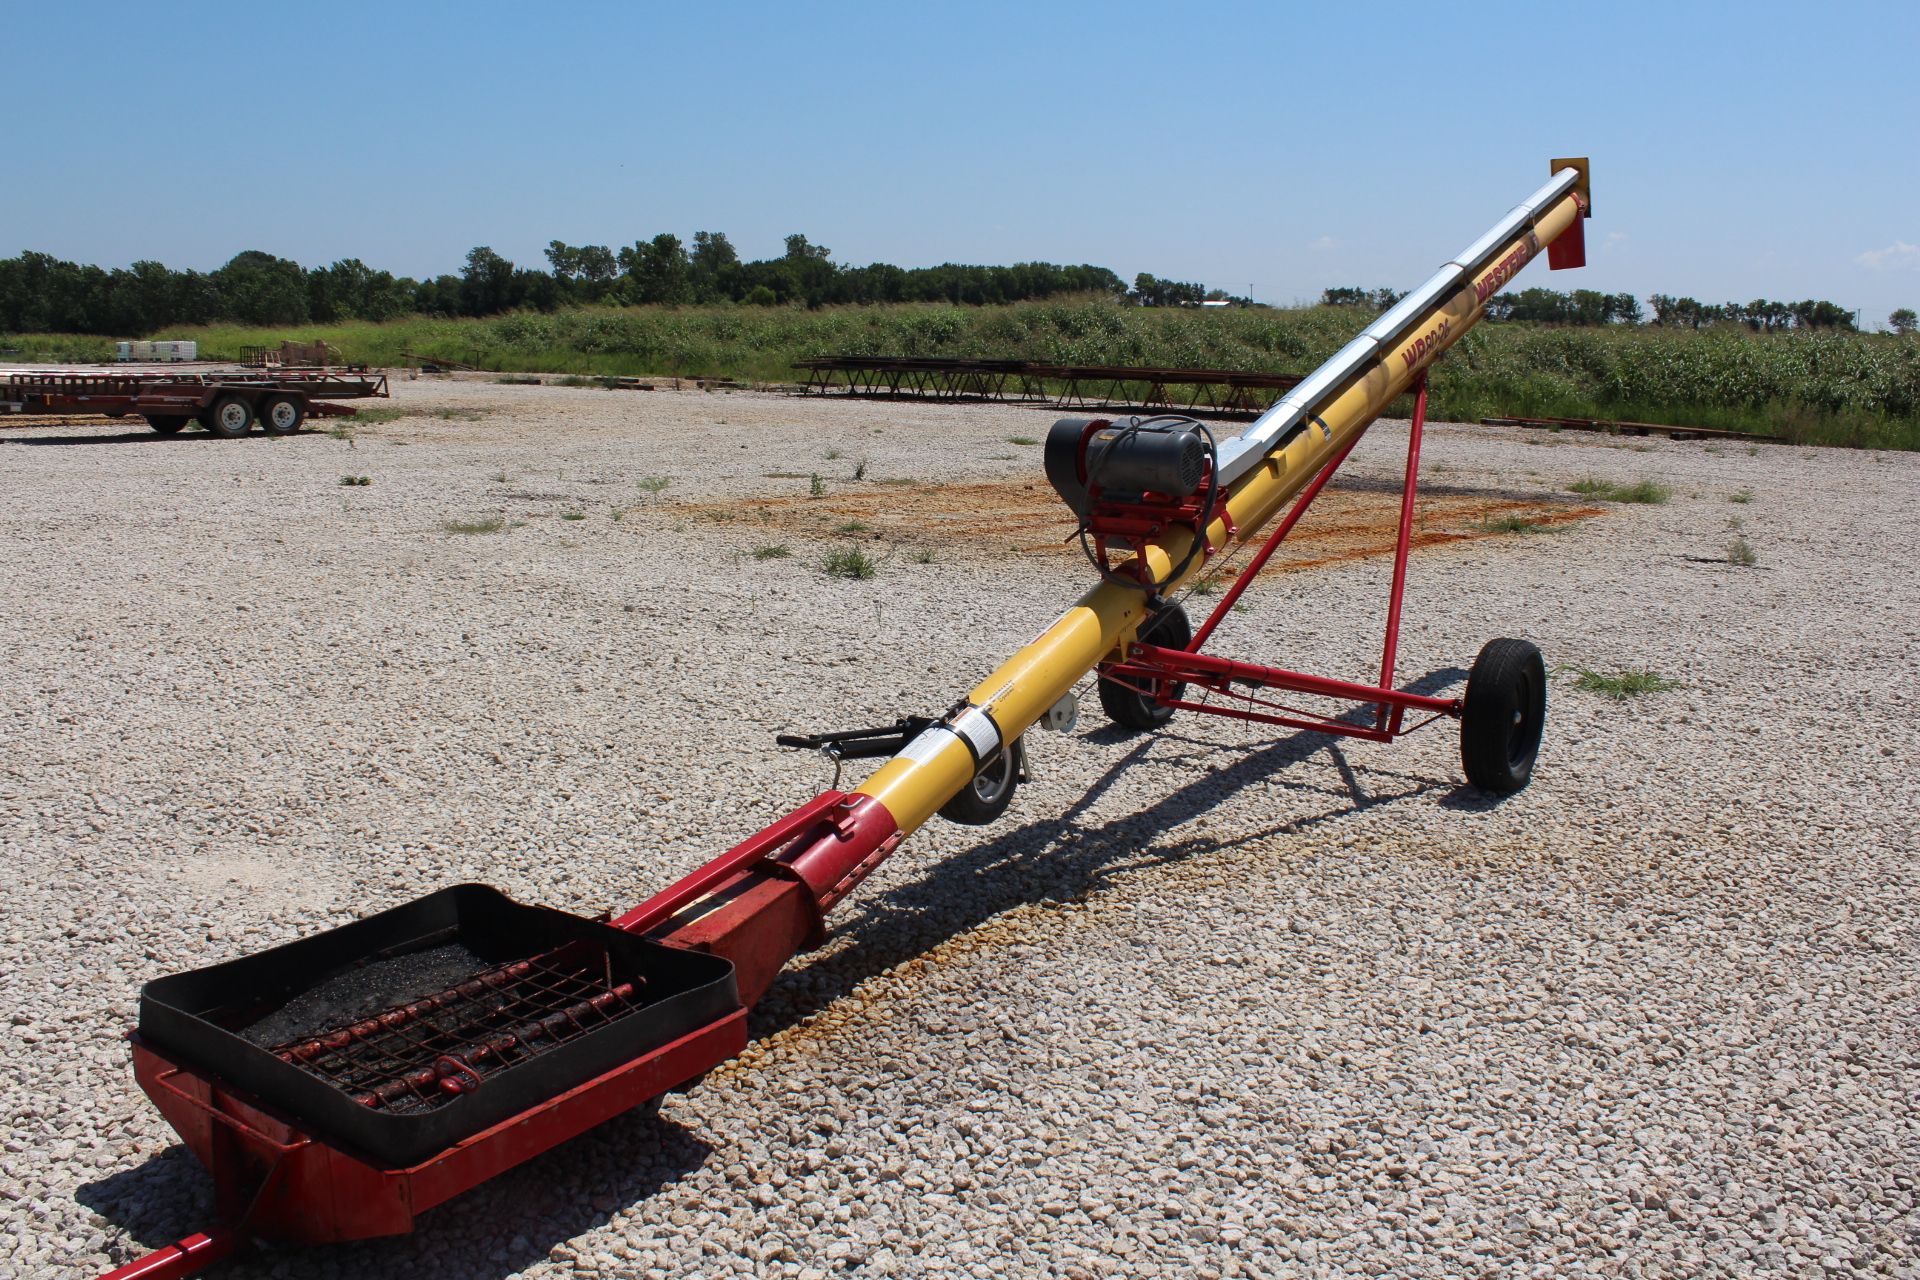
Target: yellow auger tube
x: 931, y: 770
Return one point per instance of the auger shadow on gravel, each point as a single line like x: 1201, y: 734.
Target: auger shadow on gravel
x: 1057, y: 859
x: 517, y: 1217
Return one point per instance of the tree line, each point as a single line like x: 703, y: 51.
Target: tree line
x: 1589, y: 307
x: 43, y: 294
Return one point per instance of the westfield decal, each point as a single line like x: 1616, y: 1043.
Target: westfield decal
x: 1505, y: 269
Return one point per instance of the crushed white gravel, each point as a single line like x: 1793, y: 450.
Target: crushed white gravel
x: 1214, y: 1002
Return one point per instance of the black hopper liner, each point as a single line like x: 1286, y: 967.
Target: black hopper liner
x: 237, y: 1020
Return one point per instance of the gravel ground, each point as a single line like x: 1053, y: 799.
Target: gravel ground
x: 1208, y: 1003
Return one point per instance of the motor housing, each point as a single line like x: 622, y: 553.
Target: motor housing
x: 1125, y: 460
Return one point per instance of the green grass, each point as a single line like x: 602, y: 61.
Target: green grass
x: 573, y: 515
x: 816, y: 487
x: 1852, y: 389
x: 1647, y: 491
x: 1621, y: 685
x: 774, y: 551
x: 1515, y: 524
x: 923, y: 555
x: 852, y: 526
x: 355, y: 482
x: 1743, y: 497
x: 850, y: 562
x: 653, y: 484
x: 1021, y: 440
x: 378, y: 413
x: 831, y: 455
x: 1741, y: 552
x: 490, y: 524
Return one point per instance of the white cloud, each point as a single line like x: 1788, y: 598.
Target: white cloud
x: 1324, y: 244
x: 1898, y: 256
x: 1613, y: 241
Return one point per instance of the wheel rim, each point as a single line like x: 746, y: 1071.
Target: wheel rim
x: 990, y: 783
x: 282, y: 414
x: 1519, y: 736
x: 233, y: 416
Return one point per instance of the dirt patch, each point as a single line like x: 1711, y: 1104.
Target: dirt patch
x: 1028, y: 518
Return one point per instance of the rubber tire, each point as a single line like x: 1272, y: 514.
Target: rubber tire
x: 223, y: 419
x: 1131, y: 709
x: 1504, y: 716
x: 986, y: 797
x: 296, y: 414
x: 168, y: 424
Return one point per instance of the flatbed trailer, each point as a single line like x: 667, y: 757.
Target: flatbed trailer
x: 226, y: 401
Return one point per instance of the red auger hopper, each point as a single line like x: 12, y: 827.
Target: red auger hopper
x: 340, y: 1085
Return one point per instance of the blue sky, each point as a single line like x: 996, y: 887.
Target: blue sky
x: 1757, y: 149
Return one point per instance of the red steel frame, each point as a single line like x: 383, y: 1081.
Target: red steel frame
x: 1158, y: 671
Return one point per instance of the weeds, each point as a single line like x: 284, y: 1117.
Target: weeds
x: 897, y: 480
x: 1743, y: 497
x: 1856, y: 389
x: 653, y: 484
x: 850, y: 562
x: 1021, y: 440
x: 785, y: 475
x: 816, y: 487
x: 1740, y: 552
x: 922, y: 555
x: 851, y: 526
x: 773, y: 551
x: 831, y: 455
x: 1647, y: 491
x: 501, y: 477
x: 459, y: 415
x: 377, y: 414
x: 491, y: 524
x: 573, y: 515
x: 355, y: 482
x: 860, y: 472
x: 1515, y: 524
x: 1621, y: 685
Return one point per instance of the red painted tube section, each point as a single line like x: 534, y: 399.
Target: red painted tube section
x: 860, y: 835
x: 743, y: 857
x: 182, y: 1258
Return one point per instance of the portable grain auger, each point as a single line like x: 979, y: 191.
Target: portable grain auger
x: 340, y: 1085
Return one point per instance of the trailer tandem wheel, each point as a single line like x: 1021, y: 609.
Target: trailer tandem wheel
x: 1504, y: 715
x: 1131, y: 707
x: 228, y: 417
x: 282, y: 415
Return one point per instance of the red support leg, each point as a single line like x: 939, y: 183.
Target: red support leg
x: 1389, y: 716
x: 1272, y: 544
